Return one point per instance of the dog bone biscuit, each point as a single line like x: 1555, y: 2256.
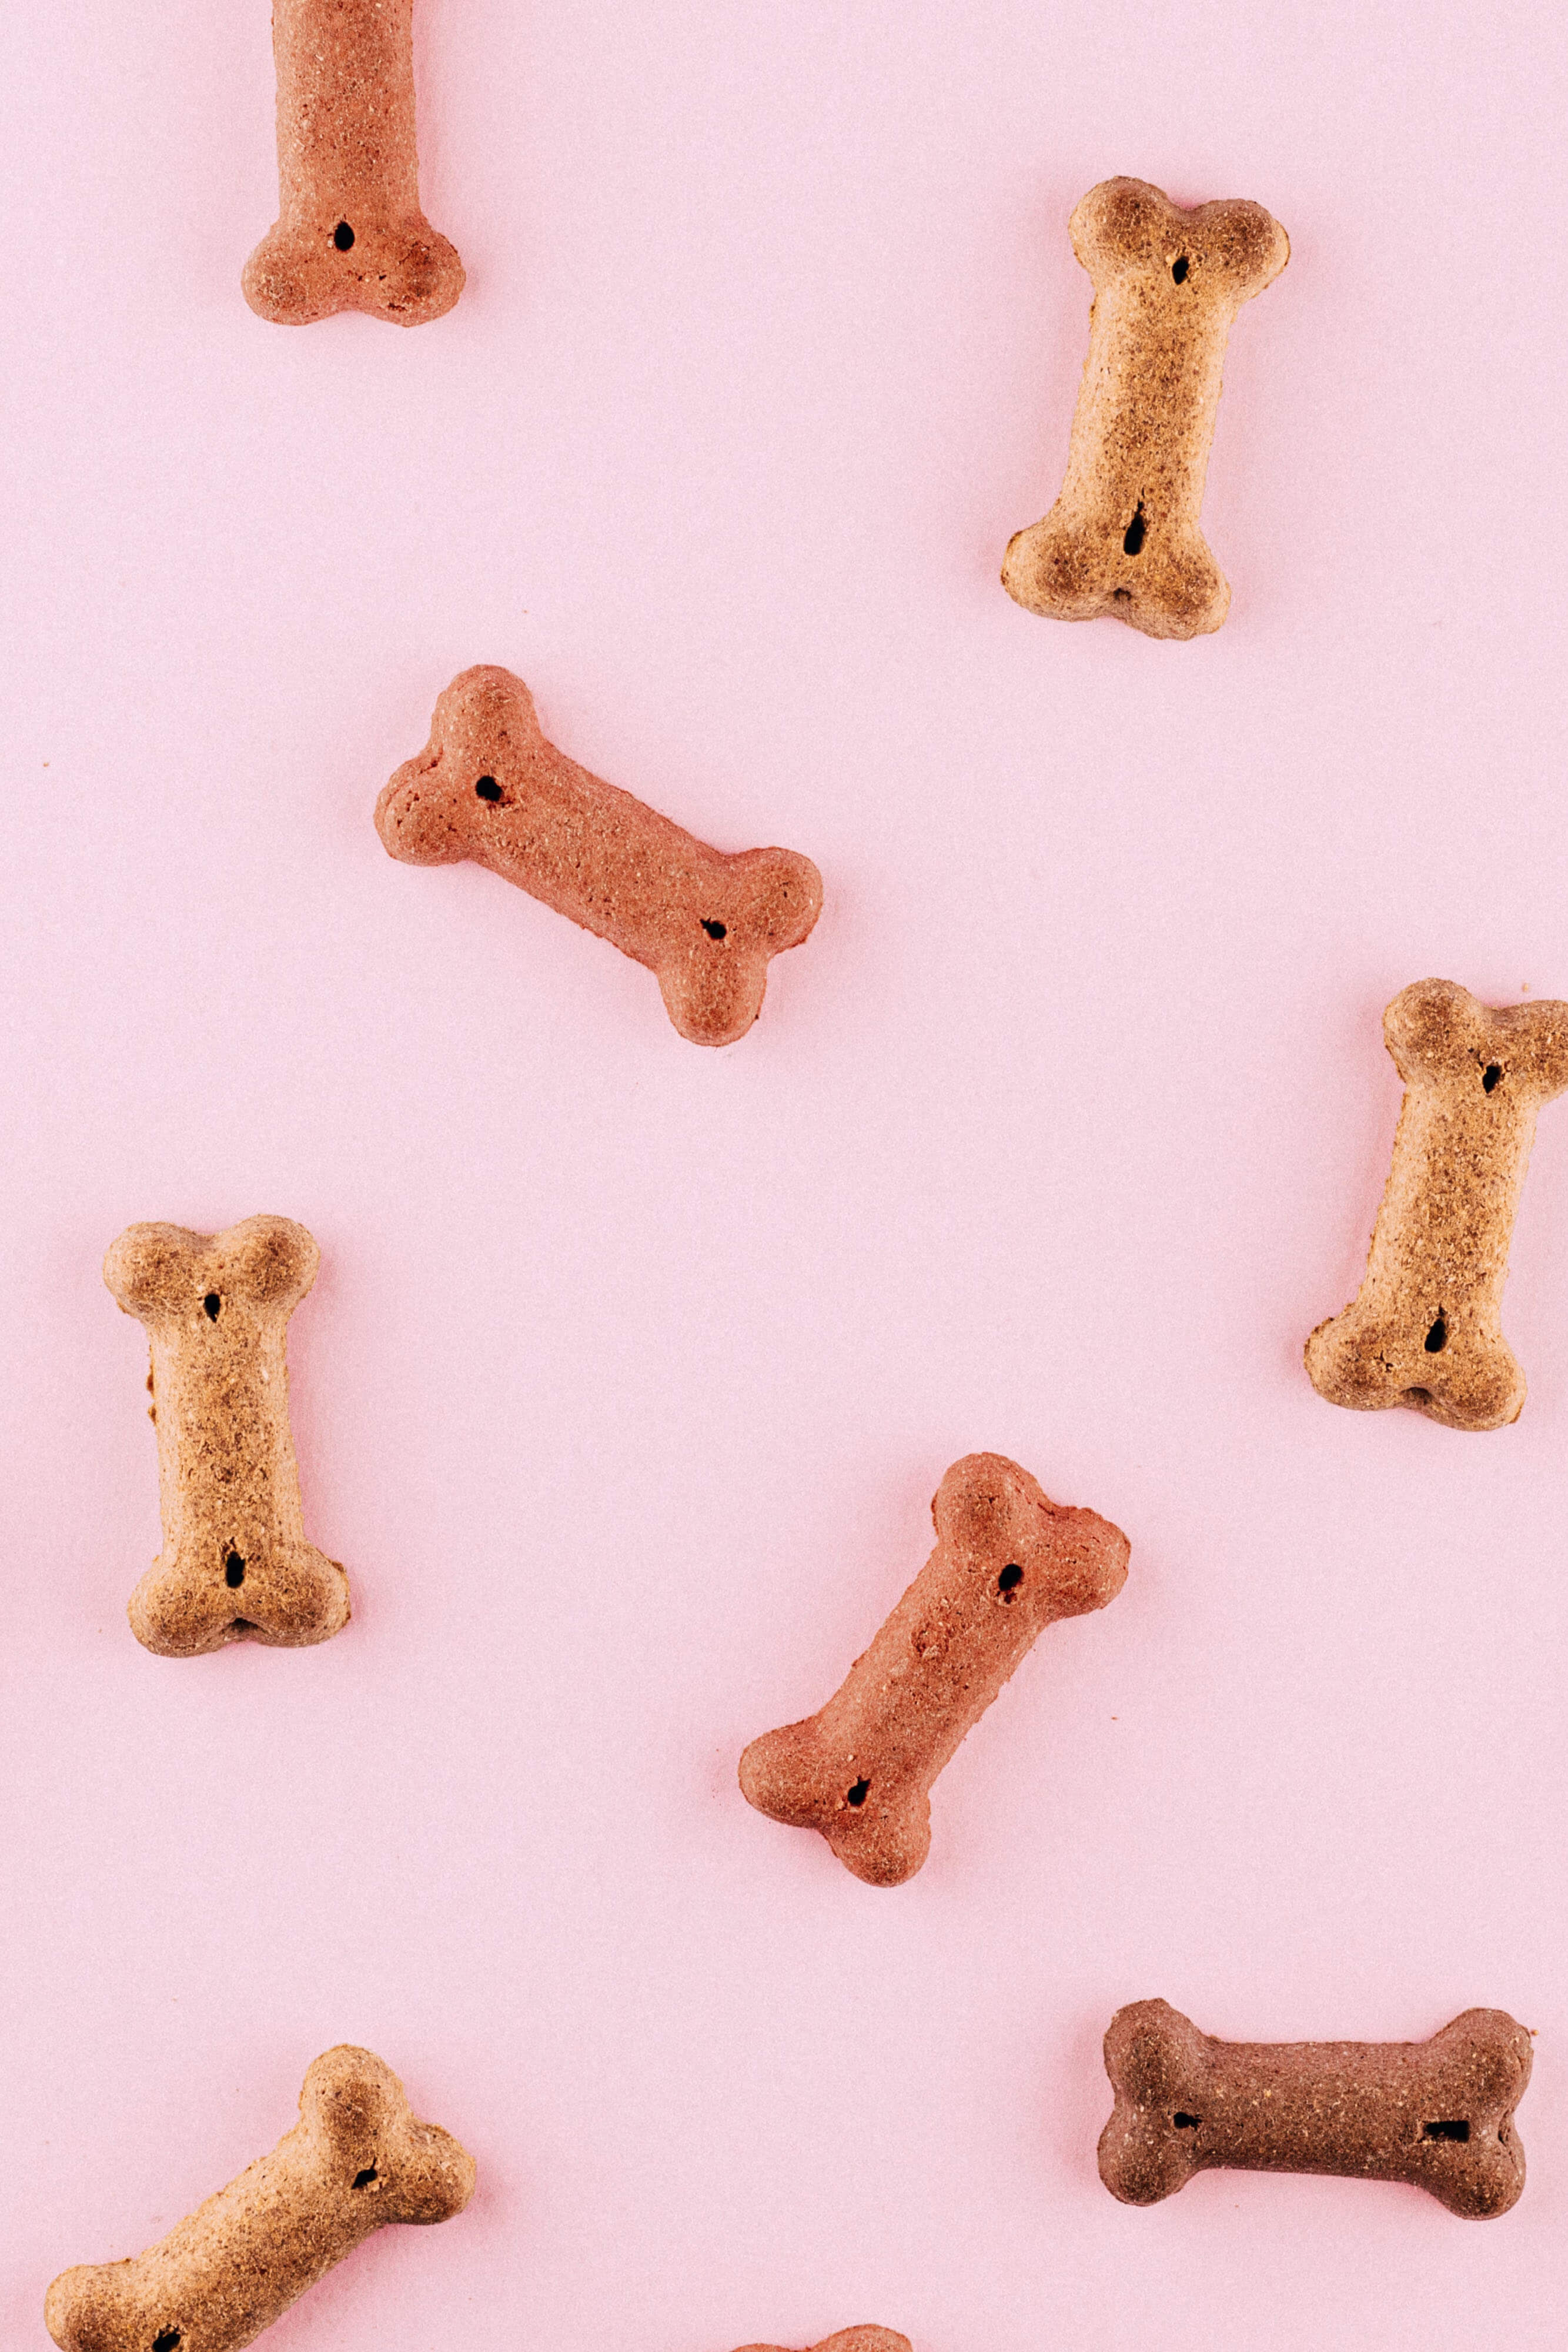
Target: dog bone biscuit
x: 1437, y: 2114
x: 1426, y: 1329
x: 356, y: 2159
x: 850, y: 2339
x: 1008, y: 1562
x: 1124, y: 536
x: 234, y: 1561
x: 349, y: 234
x: 488, y: 786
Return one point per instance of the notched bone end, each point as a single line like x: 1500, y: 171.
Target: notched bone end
x: 713, y: 981
x: 400, y: 270
x: 1436, y: 1030
x: 1474, y: 1383
x: 356, y: 2110
x: 1070, y: 568
x: 880, y: 1830
x: 428, y: 815
x: 1232, y: 247
x: 187, y: 1606
x: 1478, y: 2172
x: 851, y: 2339
x: 155, y: 1271
x: 1156, y: 2059
x: 989, y: 1505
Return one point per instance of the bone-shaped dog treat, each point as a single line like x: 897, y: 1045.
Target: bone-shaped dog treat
x: 1425, y: 1329
x: 234, y: 1562
x: 850, y: 2339
x: 1008, y: 1562
x: 356, y: 2159
x: 1437, y: 2114
x: 349, y: 234
x: 1124, y: 536
x: 487, y: 786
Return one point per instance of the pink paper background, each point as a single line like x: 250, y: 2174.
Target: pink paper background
x: 631, y: 1367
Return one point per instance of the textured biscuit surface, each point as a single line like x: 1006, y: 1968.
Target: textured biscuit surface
x: 1123, y: 538
x: 1008, y: 1562
x: 850, y: 2339
x: 1426, y: 1329
x: 356, y: 2159
x: 488, y: 786
x: 236, y: 1564
x: 349, y: 234
x: 1437, y: 2114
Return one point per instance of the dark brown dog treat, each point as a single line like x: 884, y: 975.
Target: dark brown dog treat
x: 487, y: 786
x: 850, y: 2339
x: 1123, y: 537
x: 1009, y: 1561
x: 235, y: 1564
x: 1426, y: 1329
x: 349, y: 234
x: 1437, y: 2114
x: 356, y: 2160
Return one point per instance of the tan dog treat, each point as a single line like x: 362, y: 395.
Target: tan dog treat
x: 1124, y: 536
x: 356, y: 2159
x: 487, y: 786
x: 1009, y: 1561
x: 850, y: 2339
x: 1437, y: 2114
x: 349, y: 234
x: 234, y: 1563
x: 1426, y: 1329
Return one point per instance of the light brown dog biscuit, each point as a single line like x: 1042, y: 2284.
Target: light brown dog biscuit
x: 1426, y: 1329
x: 1124, y: 536
x: 487, y: 786
x: 1008, y: 1562
x: 1437, y: 2114
x: 234, y: 1563
x: 356, y: 2159
x: 349, y: 234
x: 850, y: 2339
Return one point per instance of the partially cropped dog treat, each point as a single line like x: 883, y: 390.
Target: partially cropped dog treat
x: 1123, y: 537
x: 1008, y: 1562
x: 356, y: 2159
x: 850, y: 2339
x: 235, y: 1564
x: 1426, y: 1329
x: 487, y: 786
x: 349, y: 234
x: 1437, y: 2114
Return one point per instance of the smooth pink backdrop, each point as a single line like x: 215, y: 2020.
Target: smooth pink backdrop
x: 631, y: 1367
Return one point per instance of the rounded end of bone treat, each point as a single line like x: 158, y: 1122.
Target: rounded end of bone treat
x: 357, y: 2110
x: 987, y: 1503
x: 1156, y: 2059
x: 1234, y: 248
x: 1432, y: 1028
x: 1478, y: 2170
x: 1355, y: 1361
x: 403, y: 271
x: 148, y: 1268
x: 879, y: 1832
x: 427, y: 814
x: 166, y: 1270
x: 713, y: 1000
x: 1063, y: 569
x: 75, y: 2312
x: 1051, y: 570
x: 416, y: 815
x: 189, y: 1606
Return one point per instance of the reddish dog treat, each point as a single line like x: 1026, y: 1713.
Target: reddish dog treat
x: 487, y: 786
x: 1124, y: 536
x: 235, y: 1564
x: 355, y: 2160
x: 1009, y: 1561
x: 850, y: 2339
x: 349, y: 234
x: 1425, y: 1329
x: 1437, y: 2114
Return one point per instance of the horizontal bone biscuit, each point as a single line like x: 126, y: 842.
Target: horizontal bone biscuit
x: 850, y: 2339
x: 1437, y: 2114
x: 1008, y: 1562
x: 487, y: 786
x: 349, y: 234
x: 234, y: 1563
x: 1123, y: 537
x: 1426, y: 1329
x: 356, y: 2159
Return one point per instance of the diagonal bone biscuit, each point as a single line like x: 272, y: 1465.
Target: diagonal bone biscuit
x: 349, y: 234
x: 1124, y: 536
x: 1008, y: 1562
x: 1426, y: 1329
x: 1437, y: 2114
x: 356, y: 2160
x: 850, y: 2339
x: 234, y: 1562
x: 487, y: 786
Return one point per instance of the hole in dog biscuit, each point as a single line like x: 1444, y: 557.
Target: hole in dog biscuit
x: 343, y: 236
x: 242, y: 1626
x: 858, y: 1794
x: 367, y: 2178
x: 1491, y: 1075
x: 1417, y: 1396
x: 1184, y: 2122
x: 1455, y: 2128
x: 715, y: 930
x: 167, y: 2341
x: 1122, y: 595
x: 214, y: 1305
x: 1180, y: 268
x: 488, y: 789
x: 1437, y: 1337
x: 1009, y: 1580
x: 1132, y: 543
x: 233, y: 1570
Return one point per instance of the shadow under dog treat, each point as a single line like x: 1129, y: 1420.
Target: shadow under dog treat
x: 349, y: 234
x: 1426, y: 1327
x: 356, y: 2160
x: 1009, y: 1561
x: 488, y: 786
x: 1123, y: 538
x: 1437, y: 2114
x: 234, y: 1565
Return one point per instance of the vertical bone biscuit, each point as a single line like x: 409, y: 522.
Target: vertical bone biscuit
x: 1124, y: 536
x: 487, y: 786
x: 1426, y: 1329
x: 1437, y: 2114
x: 356, y: 2159
x: 850, y: 2339
x: 349, y: 234
x: 234, y: 1563
x: 1009, y: 1561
